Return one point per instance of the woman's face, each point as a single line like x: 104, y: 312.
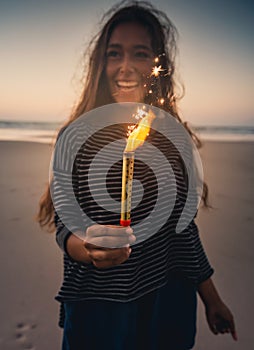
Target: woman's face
x: 129, y: 62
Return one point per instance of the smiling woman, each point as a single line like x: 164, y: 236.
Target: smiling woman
x: 129, y: 62
x: 136, y: 40
x: 144, y: 296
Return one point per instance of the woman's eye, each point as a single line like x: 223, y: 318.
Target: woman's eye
x: 112, y: 53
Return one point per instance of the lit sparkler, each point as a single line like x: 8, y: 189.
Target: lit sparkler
x: 137, y: 136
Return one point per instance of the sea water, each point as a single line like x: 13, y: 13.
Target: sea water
x: 45, y: 132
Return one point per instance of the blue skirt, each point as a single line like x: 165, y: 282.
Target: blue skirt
x: 162, y: 319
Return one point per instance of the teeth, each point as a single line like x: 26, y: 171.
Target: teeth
x: 127, y: 84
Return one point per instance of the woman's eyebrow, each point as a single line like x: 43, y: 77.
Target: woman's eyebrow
x: 138, y: 46
x: 143, y: 47
x: 114, y: 46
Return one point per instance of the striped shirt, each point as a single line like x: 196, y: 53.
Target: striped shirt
x: 94, y: 168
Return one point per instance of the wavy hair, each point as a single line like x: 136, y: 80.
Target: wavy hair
x: 95, y: 92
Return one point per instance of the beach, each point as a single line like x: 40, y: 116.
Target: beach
x: 31, y: 262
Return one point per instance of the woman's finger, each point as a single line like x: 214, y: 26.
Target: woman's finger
x: 101, y: 261
x: 107, y: 230
x: 109, y: 254
x: 232, y: 328
x: 111, y: 241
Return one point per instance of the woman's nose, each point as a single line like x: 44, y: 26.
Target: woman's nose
x: 127, y: 65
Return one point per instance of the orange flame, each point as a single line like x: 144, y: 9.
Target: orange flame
x: 139, y: 134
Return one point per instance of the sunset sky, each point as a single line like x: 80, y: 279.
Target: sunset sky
x: 42, y: 41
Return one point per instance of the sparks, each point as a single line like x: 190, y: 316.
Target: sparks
x: 140, y: 131
x: 162, y: 101
x: 141, y: 113
x: 130, y: 129
x: 156, y: 71
x: 168, y: 72
x: 138, y: 115
x: 156, y: 60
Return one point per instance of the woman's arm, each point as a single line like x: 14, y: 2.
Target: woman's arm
x: 218, y: 315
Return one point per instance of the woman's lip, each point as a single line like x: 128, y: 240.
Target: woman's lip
x: 124, y: 84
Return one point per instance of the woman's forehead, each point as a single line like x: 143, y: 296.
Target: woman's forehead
x: 130, y: 33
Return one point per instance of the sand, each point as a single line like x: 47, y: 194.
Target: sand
x: 31, y: 262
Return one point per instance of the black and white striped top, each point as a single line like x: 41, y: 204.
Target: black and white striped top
x: 96, y: 166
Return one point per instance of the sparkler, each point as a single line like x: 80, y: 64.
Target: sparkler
x: 136, y: 139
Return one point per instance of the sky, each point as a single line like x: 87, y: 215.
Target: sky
x: 42, y: 44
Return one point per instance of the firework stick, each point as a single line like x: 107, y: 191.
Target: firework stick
x: 127, y: 177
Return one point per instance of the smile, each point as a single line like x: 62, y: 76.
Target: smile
x: 126, y: 85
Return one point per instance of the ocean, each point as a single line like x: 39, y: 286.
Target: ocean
x: 45, y: 132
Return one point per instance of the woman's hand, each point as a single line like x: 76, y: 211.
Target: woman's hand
x: 220, y: 319
x: 108, y: 246
x: 104, y: 246
x: 218, y: 315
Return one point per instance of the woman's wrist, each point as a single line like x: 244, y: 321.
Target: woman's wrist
x: 208, y: 293
x: 76, y: 250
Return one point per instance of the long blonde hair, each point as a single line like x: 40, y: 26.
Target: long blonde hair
x: 96, y: 92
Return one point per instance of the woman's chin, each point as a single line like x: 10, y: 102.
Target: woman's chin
x: 124, y: 96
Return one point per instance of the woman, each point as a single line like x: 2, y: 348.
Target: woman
x: 110, y: 296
